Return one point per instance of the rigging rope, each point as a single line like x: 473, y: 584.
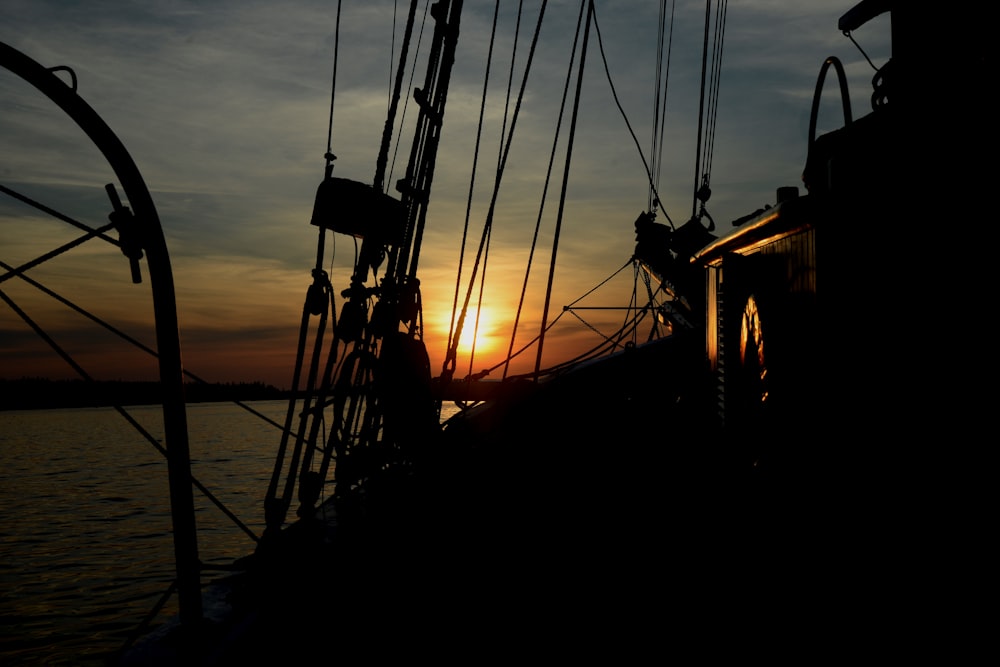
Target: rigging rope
x: 330, y: 157
x: 701, y: 179
x: 60, y: 216
x: 455, y: 331
x: 479, y: 302
x: 634, y: 298
x: 121, y: 334
x: 404, y: 257
x: 500, y: 146
x: 614, y: 94
x: 390, y: 119
x: 598, y: 285
x: 545, y: 190
x: 850, y: 36
x: 720, y: 31
x: 450, y: 358
x: 392, y: 53
x: 65, y: 356
x: 565, y: 185
x: 472, y: 179
x: 510, y: 79
x: 608, y: 343
x: 409, y: 86
x: 660, y: 105
x: 453, y: 337
x: 56, y: 252
x: 500, y: 149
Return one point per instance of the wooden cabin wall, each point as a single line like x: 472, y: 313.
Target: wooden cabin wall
x: 716, y: 357
x: 777, y: 279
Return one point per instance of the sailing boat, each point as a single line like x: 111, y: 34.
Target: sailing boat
x: 555, y: 493
x: 364, y: 429
x: 536, y: 497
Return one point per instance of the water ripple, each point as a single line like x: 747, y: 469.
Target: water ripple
x: 86, y: 547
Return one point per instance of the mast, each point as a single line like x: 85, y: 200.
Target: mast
x: 376, y: 375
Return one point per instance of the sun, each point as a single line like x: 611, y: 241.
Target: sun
x: 478, y: 332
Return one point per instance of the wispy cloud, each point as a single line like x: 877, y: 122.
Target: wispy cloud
x: 224, y: 106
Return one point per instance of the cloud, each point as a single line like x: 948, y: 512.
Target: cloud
x: 225, y: 109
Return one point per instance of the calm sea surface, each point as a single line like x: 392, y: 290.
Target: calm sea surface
x: 85, y: 543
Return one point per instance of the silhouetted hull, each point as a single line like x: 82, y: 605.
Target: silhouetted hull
x: 762, y: 457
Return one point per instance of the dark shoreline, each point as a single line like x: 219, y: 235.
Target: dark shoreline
x: 45, y: 394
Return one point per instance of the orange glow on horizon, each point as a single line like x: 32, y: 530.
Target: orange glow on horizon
x: 476, y: 333
x: 481, y: 339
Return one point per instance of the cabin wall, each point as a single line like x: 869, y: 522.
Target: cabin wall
x: 713, y: 352
x: 761, y: 334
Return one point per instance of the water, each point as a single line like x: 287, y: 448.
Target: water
x: 85, y: 543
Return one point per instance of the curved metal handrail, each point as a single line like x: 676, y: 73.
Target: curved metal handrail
x: 150, y: 237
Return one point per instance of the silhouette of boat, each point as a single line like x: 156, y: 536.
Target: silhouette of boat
x: 564, y: 493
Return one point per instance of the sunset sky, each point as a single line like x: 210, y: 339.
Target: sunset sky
x: 225, y: 105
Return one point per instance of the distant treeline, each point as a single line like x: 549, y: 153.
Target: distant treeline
x: 41, y: 393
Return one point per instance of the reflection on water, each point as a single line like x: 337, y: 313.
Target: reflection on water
x: 85, y: 544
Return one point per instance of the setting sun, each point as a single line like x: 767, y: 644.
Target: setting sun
x: 478, y: 333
